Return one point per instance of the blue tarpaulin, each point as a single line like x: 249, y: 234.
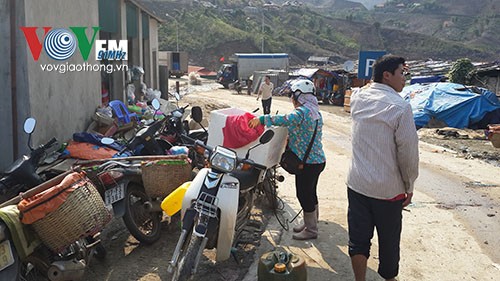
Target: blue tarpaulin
x: 457, y: 105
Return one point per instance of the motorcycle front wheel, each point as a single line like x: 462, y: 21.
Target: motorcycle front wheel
x: 143, y: 224
x: 187, y: 259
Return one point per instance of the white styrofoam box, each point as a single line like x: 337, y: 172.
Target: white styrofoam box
x: 217, y: 122
x: 268, y: 154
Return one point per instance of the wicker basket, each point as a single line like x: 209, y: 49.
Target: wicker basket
x: 495, y: 140
x: 82, y: 214
x: 161, y: 177
x: 494, y: 134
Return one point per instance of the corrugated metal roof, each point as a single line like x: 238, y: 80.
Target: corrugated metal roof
x: 318, y: 59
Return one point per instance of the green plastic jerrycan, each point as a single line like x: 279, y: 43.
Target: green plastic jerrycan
x: 280, y: 265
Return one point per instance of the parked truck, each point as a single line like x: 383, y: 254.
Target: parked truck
x: 177, y: 62
x: 242, y: 66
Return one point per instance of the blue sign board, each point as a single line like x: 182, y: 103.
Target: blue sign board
x: 366, y: 61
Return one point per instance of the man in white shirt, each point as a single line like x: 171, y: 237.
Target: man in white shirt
x: 266, y: 90
x: 383, y: 169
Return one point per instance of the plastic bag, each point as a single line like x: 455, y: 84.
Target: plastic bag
x: 152, y: 94
x: 148, y: 113
x: 108, y: 111
x: 130, y: 92
x: 177, y: 150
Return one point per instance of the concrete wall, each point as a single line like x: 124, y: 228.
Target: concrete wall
x: 153, y: 47
x: 119, y: 78
x: 136, y: 57
x: 6, y: 141
x: 15, y: 106
x: 62, y: 103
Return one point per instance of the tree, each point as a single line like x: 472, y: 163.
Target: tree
x: 460, y: 71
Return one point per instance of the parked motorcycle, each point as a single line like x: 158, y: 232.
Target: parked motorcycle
x: 175, y: 127
x: 22, y: 174
x: 120, y: 185
x: 145, y: 142
x: 216, y: 206
x: 24, y: 257
x: 161, y: 135
x: 120, y: 181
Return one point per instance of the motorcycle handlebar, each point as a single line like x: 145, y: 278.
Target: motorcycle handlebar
x: 195, y: 142
x: 180, y: 110
x: 122, y: 150
x: 4, y: 185
x: 109, y: 163
x: 252, y: 163
x: 50, y: 143
x: 39, y: 152
x: 240, y: 160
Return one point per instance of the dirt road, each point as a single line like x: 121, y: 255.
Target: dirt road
x: 450, y: 232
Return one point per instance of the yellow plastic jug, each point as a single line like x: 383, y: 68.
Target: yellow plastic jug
x: 173, y: 202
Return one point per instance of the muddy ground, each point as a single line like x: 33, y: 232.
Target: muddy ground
x: 129, y: 260
x: 467, y: 144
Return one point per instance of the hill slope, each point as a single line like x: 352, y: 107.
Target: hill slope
x: 209, y: 33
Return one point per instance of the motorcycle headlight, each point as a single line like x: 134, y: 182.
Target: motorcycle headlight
x: 223, y: 159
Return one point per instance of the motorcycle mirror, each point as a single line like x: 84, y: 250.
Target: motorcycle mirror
x: 177, y: 96
x: 156, y: 104
x: 29, y: 125
x: 107, y: 141
x: 196, y: 114
x: 266, y: 137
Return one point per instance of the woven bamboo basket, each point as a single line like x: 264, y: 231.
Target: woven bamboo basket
x: 161, y: 177
x: 82, y: 214
x: 495, y: 140
x: 494, y: 136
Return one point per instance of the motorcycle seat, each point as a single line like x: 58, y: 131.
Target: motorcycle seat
x: 198, y: 134
x: 15, y: 166
x: 248, y: 178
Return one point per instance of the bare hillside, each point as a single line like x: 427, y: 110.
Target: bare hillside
x: 433, y: 29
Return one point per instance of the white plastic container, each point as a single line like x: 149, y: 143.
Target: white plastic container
x: 268, y: 154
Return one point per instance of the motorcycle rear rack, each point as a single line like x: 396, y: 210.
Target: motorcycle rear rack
x: 206, y: 204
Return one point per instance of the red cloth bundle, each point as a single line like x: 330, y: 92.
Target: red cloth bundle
x: 237, y: 133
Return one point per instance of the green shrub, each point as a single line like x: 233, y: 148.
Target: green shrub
x: 460, y: 71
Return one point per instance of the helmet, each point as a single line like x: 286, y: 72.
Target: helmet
x: 303, y: 85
